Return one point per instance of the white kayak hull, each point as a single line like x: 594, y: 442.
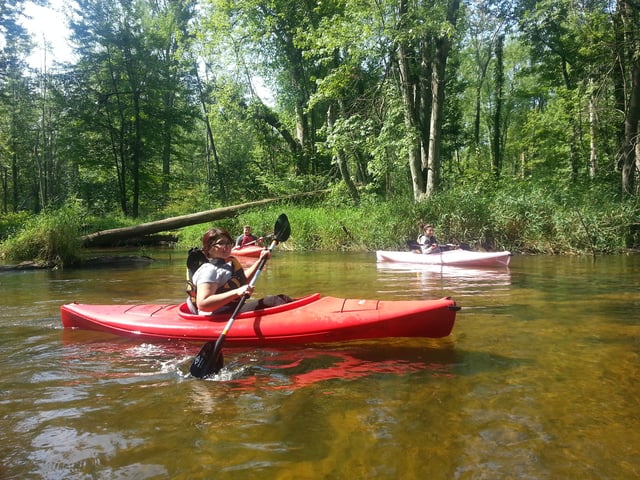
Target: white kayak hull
x: 458, y: 258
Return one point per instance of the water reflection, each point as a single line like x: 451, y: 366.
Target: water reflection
x: 498, y: 275
x: 297, y: 368
x: 410, y: 280
x: 99, y: 355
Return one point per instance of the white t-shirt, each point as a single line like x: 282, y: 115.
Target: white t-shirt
x: 210, y: 273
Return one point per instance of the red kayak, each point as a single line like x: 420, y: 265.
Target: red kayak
x: 311, y: 319
x: 247, y: 251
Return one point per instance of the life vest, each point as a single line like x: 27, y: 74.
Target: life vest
x: 238, y: 278
x: 426, y: 241
x: 248, y: 240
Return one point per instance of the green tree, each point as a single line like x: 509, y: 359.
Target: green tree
x: 424, y: 35
x: 266, y: 38
x: 131, y: 91
x: 627, y: 23
x: 586, y: 55
x: 17, y: 113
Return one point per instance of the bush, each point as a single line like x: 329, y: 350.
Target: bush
x: 10, y: 223
x: 520, y: 216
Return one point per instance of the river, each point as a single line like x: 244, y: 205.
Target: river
x: 538, y: 380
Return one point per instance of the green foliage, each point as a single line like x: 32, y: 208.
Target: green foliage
x: 284, y: 185
x: 523, y: 217
x: 520, y: 217
x: 50, y: 238
x: 126, y: 127
x: 10, y: 223
x: 526, y: 217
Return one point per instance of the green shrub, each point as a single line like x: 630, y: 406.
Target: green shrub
x: 50, y: 238
x: 520, y: 216
x: 10, y: 223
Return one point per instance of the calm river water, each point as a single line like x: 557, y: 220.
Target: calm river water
x: 539, y: 380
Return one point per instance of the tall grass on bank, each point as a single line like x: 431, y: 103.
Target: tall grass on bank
x: 50, y: 238
x: 320, y: 226
x: 519, y: 217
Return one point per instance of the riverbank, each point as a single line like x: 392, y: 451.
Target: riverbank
x: 519, y: 218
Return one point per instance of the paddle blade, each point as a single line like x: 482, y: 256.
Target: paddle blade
x: 282, y: 229
x: 206, y: 362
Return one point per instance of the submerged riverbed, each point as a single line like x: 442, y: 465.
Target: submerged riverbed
x: 538, y: 379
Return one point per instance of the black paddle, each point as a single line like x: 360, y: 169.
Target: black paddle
x: 209, y: 360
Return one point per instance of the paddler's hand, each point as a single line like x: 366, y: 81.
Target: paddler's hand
x: 245, y: 290
x: 265, y: 253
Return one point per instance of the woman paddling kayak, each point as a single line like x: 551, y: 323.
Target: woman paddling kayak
x: 427, y: 239
x: 221, y: 282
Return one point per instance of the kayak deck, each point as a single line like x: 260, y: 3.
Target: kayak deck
x: 247, y: 251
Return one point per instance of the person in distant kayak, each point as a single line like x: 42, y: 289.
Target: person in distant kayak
x: 427, y: 239
x: 221, y: 282
x: 247, y: 238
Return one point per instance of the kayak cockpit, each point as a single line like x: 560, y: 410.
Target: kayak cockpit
x: 185, y: 313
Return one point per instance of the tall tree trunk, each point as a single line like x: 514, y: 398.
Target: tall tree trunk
x: 424, y: 106
x: 593, y: 130
x: 299, y: 81
x: 632, y: 131
x: 343, y: 166
x: 574, y: 140
x: 496, y: 141
x: 5, y: 189
x: 483, y: 65
x: 415, y: 162
x: 117, y: 133
x: 14, y: 178
x: 302, y: 166
x: 407, y: 88
x: 408, y: 92
x: 211, y: 144
x: 136, y: 155
x: 437, y: 109
x: 631, y: 51
x: 619, y: 73
x: 167, y: 140
x: 443, y: 46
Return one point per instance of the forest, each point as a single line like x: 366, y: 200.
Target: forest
x: 523, y: 107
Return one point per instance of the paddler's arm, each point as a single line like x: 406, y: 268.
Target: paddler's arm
x: 209, y: 301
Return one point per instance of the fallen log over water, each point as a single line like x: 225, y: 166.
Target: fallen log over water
x: 118, y: 236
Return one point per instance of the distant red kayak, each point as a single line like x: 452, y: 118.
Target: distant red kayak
x: 247, y: 251
x: 311, y: 319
